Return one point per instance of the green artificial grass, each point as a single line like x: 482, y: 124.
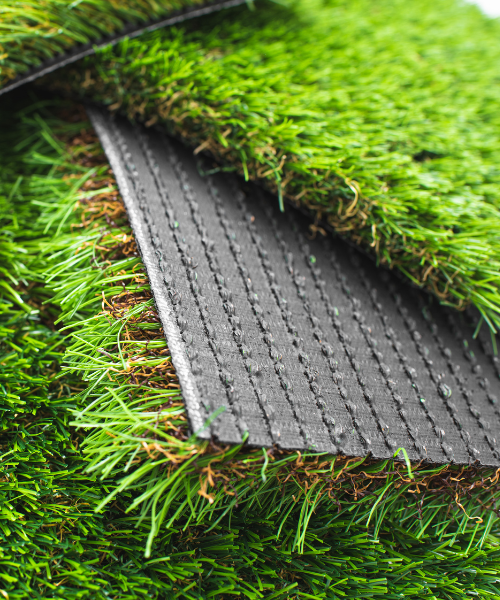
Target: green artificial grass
x: 82, y: 502
x: 36, y: 30
x: 378, y: 116
x: 381, y: 117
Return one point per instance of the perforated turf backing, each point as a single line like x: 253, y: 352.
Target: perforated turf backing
x: 303, y: 343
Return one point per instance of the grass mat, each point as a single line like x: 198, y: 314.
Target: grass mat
x: 106, y: 431
x: 32, y: 32
x: 379, y: 117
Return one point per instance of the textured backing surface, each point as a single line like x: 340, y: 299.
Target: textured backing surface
x: 129, y: 31
x: 301, y: 343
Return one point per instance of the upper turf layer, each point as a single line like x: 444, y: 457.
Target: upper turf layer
x: 217, y: 522
x: 381, y: 117
x: 34, y: 31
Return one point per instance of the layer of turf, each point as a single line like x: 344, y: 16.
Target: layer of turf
x: 380, y: 117
x: 216, y: 522
x: 33, y: 31
x: 97, y: 465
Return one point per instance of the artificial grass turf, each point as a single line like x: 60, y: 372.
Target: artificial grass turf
x: 32, y: 31
x: 301, y: 533
x: 382, y: 118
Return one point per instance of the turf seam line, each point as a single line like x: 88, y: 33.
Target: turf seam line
x: 129, y: 31
x: 165, y: 310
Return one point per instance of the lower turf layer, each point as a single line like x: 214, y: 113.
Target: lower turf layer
x: 108, y: 430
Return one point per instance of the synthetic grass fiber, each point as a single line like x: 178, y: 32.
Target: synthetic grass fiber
x: 32, y: 32
x: 216, y: 522
x: 382, y: 118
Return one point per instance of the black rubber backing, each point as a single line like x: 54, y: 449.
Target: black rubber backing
x: 303, y: 343
x: 129, y: 31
